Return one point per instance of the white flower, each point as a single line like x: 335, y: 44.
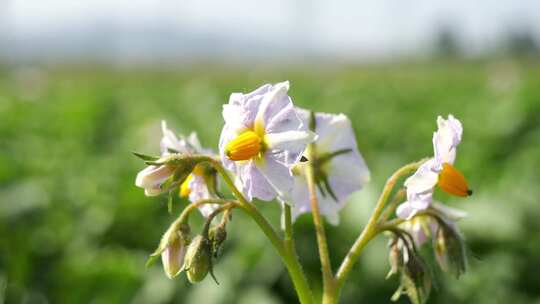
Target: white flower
x: 170, y: 143
x: 195, y: 187
x: 339, y: 167
x: 439, y: 170
x: 152, y: 177
x: 173, y: 256
x: 262, y: 138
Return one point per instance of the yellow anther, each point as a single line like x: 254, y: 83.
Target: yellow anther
x: 184, y: 187
x: 199, y: 170
x: 453, y: 182
x: 244, y: 146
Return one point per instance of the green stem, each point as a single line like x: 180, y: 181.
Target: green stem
x: 371, y: 230
x: 398, y: 197
x: 226, y: 207
x: 287, y: 253
x: 329, y: 294
x: 189, y: 208
x: 288, y: 222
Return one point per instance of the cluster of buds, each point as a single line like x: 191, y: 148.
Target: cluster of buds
x: 193, y: 255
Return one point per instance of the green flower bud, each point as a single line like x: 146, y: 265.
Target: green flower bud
x: 217, y: 235
x: 198, y: 261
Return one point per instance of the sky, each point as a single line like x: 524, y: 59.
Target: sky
x: 243, y: 29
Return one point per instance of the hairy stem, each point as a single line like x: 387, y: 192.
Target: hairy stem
x: 288, y: 222
x: 328, y: 276
x: 371, y: 230
x: 287, y: 253
x: 398, y: 197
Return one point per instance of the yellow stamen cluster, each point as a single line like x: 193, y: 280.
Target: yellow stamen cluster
x: 453, y: 182
x: 184, y: 187
x: 244, y: 146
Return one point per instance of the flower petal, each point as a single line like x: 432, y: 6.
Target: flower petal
x: 420, y: 201
x: 293, y: 143
x: 273, y: 101
x: 424, y: 179
x: 446, y: 139
x: 449, y: 213
x: 405, y: 211
x: 278, y: 175
x: 227, y: 134
x: 253, y: 182
x: 152, y: 176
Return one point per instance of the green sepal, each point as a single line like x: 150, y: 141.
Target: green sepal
x: 145, y: 157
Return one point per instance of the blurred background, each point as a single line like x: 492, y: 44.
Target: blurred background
x: 84, y: 83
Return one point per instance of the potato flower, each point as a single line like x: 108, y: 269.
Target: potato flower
x: 339, y: 167
x: 200, y: 184
x: 261, y: 139
x: 437, y: 171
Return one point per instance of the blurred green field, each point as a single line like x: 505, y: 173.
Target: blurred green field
x: 75, y: 229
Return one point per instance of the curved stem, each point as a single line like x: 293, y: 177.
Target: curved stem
x: 189, y: 208
x: 400, y: 195
x: 370, y: 231
x: 227, y: 207
x: 328, y: 276
x: 288, y: 255
x: 288, y: 222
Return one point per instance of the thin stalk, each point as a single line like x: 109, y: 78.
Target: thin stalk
x: 398, y: 197
x: 288, y: 256
x: 288, y: 222
x: 371, y: 230
x: 328, y: 276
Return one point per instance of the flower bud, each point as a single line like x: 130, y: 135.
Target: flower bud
x: 217, y: 236
x: 198, y: 261
x: 172, y: 248
x: 166, y: 172
x: 152, y: 177
x: 173, y: 257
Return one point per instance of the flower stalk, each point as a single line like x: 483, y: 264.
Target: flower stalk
x: 283, y: 247
x: 371, y: 229
x: 328, y: 276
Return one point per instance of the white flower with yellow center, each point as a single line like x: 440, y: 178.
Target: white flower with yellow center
x: 262, y: 138
x: 339, y: 167
x: 437, y: 171
x: 200, y: 184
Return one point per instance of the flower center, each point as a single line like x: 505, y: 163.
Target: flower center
x: 184, y: 187
x: 244, y: 146
x: 453, y: 182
